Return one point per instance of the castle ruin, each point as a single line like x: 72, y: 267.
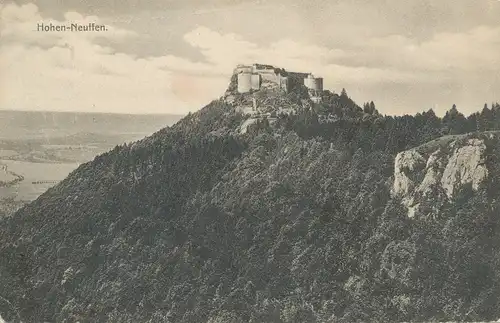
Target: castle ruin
x: 257, y: 76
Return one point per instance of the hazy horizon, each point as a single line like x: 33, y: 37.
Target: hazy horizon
x: 99, y: 112
x: 439, y: 113
x: 174, y: 57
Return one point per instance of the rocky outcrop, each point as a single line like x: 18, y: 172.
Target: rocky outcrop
x: 407, y: 163
x: 466, y: 165
x: 433, y: 173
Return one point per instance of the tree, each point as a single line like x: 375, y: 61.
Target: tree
x: 486, y: 121
x: 455, y: 122
x: 369, y: 108
x: 366, y: 107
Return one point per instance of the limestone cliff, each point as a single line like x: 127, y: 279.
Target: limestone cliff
x: 427, y: 177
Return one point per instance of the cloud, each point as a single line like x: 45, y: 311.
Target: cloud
x: 404, y: 74
x: 133, y: 6
x: 20, y: 24
x: 70, y: 71
x: 224, y: 51
x: 472, y: 51
x: 74, y: 71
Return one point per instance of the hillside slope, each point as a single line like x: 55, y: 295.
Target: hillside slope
x: 292, y: 221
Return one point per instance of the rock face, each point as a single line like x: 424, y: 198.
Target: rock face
x: 466, y: 165
x: 433, y: 173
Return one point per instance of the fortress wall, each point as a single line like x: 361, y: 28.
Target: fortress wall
x: 262, y: 67
x: 244, y: 82
x: 257, y: 75
x: 308, y: 83
x: 243, y: 69
x: 298, y: 75
x: 314, y: 83
x: 319, y: 83
x: 268, y: 75
x: 282, y: 82
x: 255, y: 81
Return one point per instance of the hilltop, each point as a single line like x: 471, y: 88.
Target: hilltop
x: 297, y: 216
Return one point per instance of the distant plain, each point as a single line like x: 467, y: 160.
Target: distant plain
x: 39, y: 149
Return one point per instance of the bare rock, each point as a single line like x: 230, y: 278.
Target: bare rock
x: 432, y: 173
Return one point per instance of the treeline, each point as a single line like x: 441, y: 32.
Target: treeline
x: 366, y: 129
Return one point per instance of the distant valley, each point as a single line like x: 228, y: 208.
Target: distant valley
x: 38, y: 149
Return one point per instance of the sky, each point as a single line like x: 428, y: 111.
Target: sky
x: 175, y: 56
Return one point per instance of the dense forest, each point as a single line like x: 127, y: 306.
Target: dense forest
x: 292, y: 221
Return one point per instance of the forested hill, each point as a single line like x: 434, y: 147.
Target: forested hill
x: 295, y: 220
